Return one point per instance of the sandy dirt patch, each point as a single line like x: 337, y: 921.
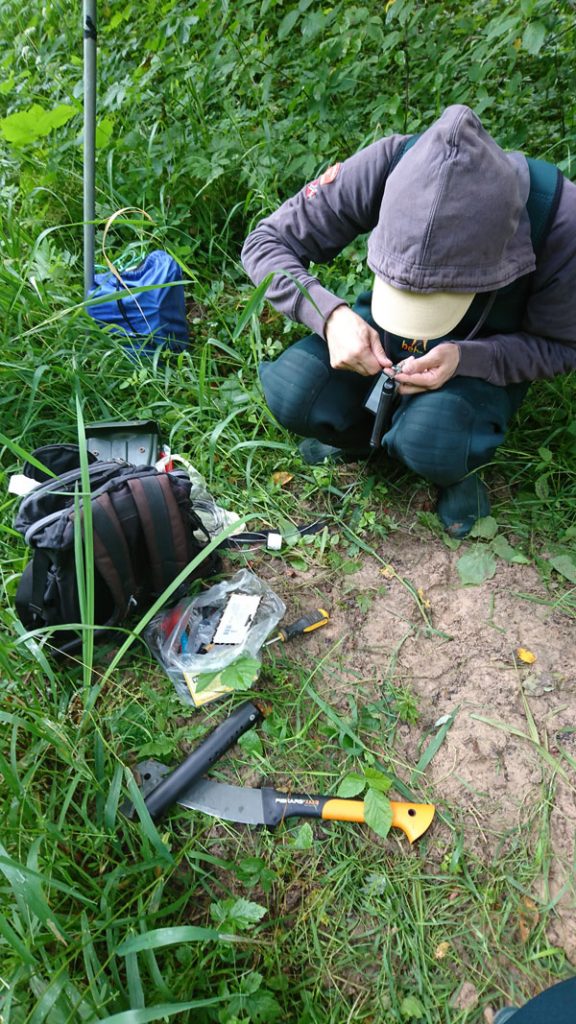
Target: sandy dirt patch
x: 513, y: 722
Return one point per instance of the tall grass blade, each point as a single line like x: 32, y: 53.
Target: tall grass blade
x: 160, y: 1012
x: 433, y: 746
x: 12, y: 939
x: 84, y: 552
x: 160, y: 937
x: 28, y: 893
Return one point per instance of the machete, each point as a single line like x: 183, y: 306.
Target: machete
x: 269, y: 807
x: 169, y: 786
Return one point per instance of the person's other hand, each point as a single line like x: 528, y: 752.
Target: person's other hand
x: 428, y: 372
x: 353, y: 344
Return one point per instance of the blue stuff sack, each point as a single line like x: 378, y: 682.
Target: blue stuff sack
x: 150, y: 319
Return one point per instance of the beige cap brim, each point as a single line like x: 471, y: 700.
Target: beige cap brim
x: 417, y: 315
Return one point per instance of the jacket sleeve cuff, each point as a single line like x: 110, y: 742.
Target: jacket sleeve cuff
x: 475, y: 360
x: 315, y: 318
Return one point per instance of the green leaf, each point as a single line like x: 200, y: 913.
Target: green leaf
x: 351, y: 786
x: 304, y: 837
x: 253, y: 871
x: 264, y: 1008
x: 241, y: 673
x: 502, y: 26
x: 533, y: 37
x: 240, y: 913
x: 377, y: 780
x: 287, y: 24
x: 251, y: 743
x: 476, y: 566
x: 565, y: 565
x: 350, y: 566
x: 7, y: 85
x: 134, y: 980
x: 542, y: 487
x: 486, y: 528
x: 251, y: 1003
x: 111, y: 805
x: 477, y: 71
x: 104, y: 132
x: 412, y: 1008
x: 146, y: 823
x: 29, y: 125
x: 546, y: 455
x: 251, y: 983
x: 298, y: 563
x: 503, y: 549
x: 378, y: 812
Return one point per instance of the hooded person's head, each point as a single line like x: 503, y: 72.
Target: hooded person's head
x: 452, y: 223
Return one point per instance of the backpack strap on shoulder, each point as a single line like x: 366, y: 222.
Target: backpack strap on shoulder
x: 163, y: 527
x: 546, y: 183
x: 402, y: 149
x: 111, y: 553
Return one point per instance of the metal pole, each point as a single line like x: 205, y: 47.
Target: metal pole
x: 90, y: 44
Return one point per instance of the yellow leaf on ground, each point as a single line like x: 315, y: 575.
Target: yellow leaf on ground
x: 441, y: 950
x: 388, y: 571
x: 281, y: 478
x: 528, y: 918
x: 523, y: 654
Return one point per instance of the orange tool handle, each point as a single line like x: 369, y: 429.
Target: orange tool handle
x: 413, y: 819
x: 307, y: 624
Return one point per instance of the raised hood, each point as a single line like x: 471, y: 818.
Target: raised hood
x: 453, y: 216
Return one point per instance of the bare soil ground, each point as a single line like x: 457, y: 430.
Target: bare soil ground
x: 493, y: 777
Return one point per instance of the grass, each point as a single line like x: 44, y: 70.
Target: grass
x: 351, y: 925
x: 329, y: 924
x: 105, y: 919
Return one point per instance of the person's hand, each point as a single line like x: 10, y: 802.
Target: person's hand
x: 353, y: 344
x: 429, y: 372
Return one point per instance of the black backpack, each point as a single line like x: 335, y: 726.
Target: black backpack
x: 145, y: 532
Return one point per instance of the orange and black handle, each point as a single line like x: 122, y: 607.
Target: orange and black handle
x: 413, y: 819
x: 306, y: 624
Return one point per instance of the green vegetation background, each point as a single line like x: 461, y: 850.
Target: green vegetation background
x: 210, y: 114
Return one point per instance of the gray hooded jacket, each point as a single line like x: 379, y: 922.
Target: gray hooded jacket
x: 451, y: 216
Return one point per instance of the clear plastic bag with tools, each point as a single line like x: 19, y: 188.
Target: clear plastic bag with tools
x: 203, y: 635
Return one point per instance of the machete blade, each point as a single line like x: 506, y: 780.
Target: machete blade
x: 218, y: 799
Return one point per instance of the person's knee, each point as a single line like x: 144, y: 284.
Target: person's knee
x: 310, y: 398
x: 291, y: 385
x: 431, y: 435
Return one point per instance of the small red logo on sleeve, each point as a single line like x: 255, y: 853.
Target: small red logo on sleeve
x: 330, y: 174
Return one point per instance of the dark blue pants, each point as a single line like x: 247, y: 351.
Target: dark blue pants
x: 557, y: 1005
x: 440, y: 435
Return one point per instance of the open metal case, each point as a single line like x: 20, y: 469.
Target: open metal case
x: 133, y: 441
